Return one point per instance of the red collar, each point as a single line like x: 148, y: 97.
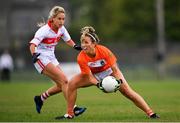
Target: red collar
x: 50, y: 25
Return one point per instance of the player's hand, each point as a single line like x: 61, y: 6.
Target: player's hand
x: 76, y: 47
x: 118, y: 86
x: 99, y: 85
x: 35, y: 57
x: 119, y: 81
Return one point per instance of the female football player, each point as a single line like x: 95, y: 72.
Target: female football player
x: 42, y: 48
x: 96, y: 62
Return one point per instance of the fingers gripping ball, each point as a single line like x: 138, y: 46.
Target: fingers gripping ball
x: 110, y: 84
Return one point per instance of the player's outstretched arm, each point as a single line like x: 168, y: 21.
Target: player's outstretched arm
x: 75, y: 46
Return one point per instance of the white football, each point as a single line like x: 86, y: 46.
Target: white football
x: 110, y: 84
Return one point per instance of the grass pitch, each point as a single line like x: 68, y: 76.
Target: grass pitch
x: 16, y: 103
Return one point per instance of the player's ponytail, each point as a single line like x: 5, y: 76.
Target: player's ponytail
x: 41, y: 23
x: 89, y: 31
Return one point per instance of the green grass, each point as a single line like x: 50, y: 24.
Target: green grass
x: 16, y: 103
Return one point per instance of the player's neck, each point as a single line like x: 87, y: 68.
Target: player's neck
x: 55, y: 28
x: 92, y: 53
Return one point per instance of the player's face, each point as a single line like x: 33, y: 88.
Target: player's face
x: 87, y: 45
x: 59, y: 20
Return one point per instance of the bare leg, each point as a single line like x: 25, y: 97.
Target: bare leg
x: 75, y: 83
x: 126, y: 90
x: 58, y: 77
x: 54, y: 90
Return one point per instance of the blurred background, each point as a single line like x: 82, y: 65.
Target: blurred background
x: 144, y: 35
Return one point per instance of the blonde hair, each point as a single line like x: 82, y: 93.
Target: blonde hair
x: 89, y: 31
x: 55, y: 10
x: 53, y: 13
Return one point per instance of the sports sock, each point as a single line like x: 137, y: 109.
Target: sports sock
x: 44, y: 96
x: 75, y: 106
x: 70, y: 111
x: 149, y: 112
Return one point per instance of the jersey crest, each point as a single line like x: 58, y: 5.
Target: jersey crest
x: 98, y: 63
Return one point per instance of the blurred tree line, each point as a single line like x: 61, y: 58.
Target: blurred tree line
x: 129, y: 21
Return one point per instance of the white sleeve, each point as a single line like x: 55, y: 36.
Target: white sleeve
x: 65, y: 36
x: 39, y: 36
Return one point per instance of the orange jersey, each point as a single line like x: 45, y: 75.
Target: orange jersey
x: 103, y: 60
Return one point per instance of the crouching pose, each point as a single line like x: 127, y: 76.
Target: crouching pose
x: 42, y: 48
x: 96, y: 62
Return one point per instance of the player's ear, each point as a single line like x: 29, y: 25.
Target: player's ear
x: 94, y: 43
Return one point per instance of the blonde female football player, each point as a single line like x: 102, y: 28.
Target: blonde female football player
x: 42, y: 48
x: 96, y: 62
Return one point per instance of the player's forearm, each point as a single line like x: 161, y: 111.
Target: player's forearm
x: 70, y: 43
x: 75, y: 46
x: 117, y: 73
x: 32, y: 48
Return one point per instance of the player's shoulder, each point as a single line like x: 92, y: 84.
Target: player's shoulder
x: 102, y: 47
x: 44, y: 29
x: 81, y: 56
x: 63, y: 28
x: 103, y: 50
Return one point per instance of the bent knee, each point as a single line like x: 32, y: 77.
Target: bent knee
x: 60, y: 84
x: 61, y: 81
x: 72, y: 85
